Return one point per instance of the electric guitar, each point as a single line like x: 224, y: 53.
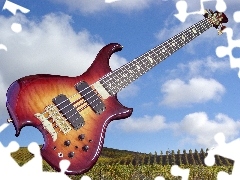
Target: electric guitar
x: 72, y: 113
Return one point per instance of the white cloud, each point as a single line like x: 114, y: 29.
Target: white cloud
x: 194, y: 129
x: 194, y: 6
x: 132, y: 5
x: 200, y: 67
x: 129, y: 91
x: 214, y: 65
x: 144, y: 124
x: 48, y: 46
x: 205, y: 67
x: 199, y: 129
x: 197, y: 90
x: 93, y: 6
x: 3, y: 89
x: 173, y: 26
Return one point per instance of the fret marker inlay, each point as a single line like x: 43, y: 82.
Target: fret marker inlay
x: 194, y: 30
x: 150, y: 59
x: 183, y: 37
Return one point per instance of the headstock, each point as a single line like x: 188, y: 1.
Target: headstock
x: 216, y: 18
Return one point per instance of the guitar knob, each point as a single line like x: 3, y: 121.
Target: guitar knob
x: 71, y: 154
x: 85, y: 148
x: 81, y: 137
x: 67, y: 143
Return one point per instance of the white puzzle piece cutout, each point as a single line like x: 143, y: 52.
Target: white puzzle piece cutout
x: 228, y: 150
x: 182, y: 8
x: 9, y: 168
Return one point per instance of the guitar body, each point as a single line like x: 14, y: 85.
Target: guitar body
x: 30, y: 95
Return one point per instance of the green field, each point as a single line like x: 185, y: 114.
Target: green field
x: 120, y: 165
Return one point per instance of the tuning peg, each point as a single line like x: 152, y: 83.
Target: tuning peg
x: 223, y: 27
x: 220, y: 31
x: 9, y: 120
x: 206, y: 13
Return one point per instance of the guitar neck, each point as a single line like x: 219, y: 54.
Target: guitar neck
x: 118, y: 79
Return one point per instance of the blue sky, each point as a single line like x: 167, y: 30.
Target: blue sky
x: 180, y: 104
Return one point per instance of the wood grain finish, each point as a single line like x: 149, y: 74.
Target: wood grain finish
x: 30, y: 95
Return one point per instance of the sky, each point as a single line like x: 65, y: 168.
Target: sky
x: 179, y: 104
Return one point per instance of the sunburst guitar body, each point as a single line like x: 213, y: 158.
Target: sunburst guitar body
x: 31, y: 95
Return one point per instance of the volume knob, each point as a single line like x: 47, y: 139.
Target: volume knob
x: 67, y: 143
x: 81, y: 137
x: 71, y: 154
x: 85, y: 148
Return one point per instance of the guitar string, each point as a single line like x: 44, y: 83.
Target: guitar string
x: 96, y: 105
x: 129, y: 64
x: 202, y: 23
x: 151, y: 51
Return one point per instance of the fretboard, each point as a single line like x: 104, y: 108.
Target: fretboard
x: 118, y: 79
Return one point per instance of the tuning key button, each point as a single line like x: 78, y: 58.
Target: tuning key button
x: 67, y: 143
x: 85, y: 148
x: 81, y: 137
x: 71, y: 154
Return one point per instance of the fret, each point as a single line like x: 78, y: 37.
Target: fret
x: 121, y: 77
x: 143, y: 65
x: 128, y: 73
x: 118, y: 78
x: 132, y: 72
x: 125, y: 78
x: 110, y: 84
x: 180, y: 40
x: 172, y: 45
x: 167, y: 47
x: 151, y: 60
x: 138, y: 68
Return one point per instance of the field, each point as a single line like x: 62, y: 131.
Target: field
x: 124, y: 165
